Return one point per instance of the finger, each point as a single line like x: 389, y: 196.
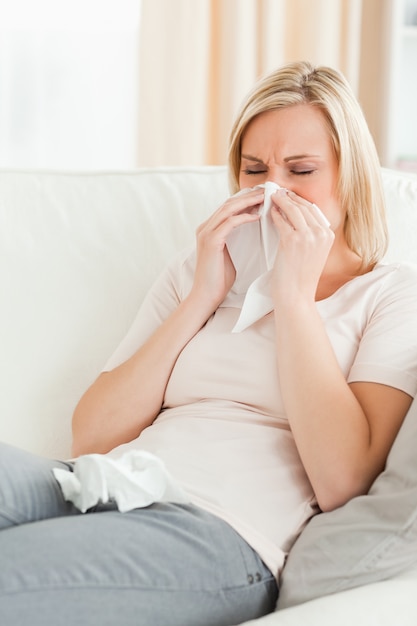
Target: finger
x: 281, y: 221
x: 313, y: 216
x: 245, y: 203
x: 246, y: 200
x: 219, y: 229
x: 225, y: 227
x: 290, y: 210
x: 319, y: 214
x: 310, y: 209
x: 311, y: 213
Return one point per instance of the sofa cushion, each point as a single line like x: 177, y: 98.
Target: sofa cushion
x: 369, y: 539
x: 78, y: 252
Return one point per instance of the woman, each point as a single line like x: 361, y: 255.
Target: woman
x: 261, y: 428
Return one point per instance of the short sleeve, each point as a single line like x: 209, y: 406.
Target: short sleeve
x: 161, y: 300
x: 387, y: 352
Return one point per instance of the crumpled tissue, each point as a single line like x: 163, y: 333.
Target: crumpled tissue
x: 135, y: 480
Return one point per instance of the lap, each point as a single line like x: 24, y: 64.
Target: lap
x: 164, y: 564
x: 29, y: 490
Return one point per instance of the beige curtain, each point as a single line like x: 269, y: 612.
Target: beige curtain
x: 198, y: 59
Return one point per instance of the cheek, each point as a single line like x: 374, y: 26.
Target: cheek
x: 247, y: 181
x: 327, y: 202
x: 324, y: 195
x: 334, y: 213
x: 242, y: 181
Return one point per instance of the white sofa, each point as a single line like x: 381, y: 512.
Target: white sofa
x: 77, y: 253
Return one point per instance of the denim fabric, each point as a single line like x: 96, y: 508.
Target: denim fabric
x: 166, y: 564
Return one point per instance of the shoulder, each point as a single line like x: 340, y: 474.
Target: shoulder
x: 397, y: 278
x: 403, y: 268
x: 394, y: 297
x: 384, y: 283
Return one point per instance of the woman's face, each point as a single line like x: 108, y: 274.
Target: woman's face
x: 292, y: 147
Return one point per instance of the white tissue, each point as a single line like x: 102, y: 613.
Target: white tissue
x: 135, y: 480
x: 252, y: 248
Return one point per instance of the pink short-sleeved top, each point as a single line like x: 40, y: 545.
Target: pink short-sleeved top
x: 223, y: 433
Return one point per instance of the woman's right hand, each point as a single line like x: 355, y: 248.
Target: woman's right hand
x: 215, y: 272
x: 122, y: 402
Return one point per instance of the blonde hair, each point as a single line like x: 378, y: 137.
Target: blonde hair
x: 359, y: 184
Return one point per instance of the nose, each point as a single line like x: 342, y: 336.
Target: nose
x: 276, y: 176
x: 280, y: 183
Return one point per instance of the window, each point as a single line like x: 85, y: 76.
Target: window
x: 69, y: 83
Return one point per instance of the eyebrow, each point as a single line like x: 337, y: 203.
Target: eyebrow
x: 251, y: 158
x: 295, y: 157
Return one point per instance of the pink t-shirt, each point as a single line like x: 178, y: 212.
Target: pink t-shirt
x: 223, y: 433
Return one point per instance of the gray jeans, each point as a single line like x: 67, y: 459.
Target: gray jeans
x: 162, y: 565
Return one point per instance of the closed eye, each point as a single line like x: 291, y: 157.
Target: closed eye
x: 249, y: 172
x: 302, y: 172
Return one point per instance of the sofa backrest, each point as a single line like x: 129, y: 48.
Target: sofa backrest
x: 78, y: 251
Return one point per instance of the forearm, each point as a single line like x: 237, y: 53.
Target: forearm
x: 121, y: 403
x: 329, y: 425
x: 124, y: 401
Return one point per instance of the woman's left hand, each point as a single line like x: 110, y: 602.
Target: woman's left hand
x: 304, y: 246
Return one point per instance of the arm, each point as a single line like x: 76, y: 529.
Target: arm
x: 343, y: 432
x: 124, y: 401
